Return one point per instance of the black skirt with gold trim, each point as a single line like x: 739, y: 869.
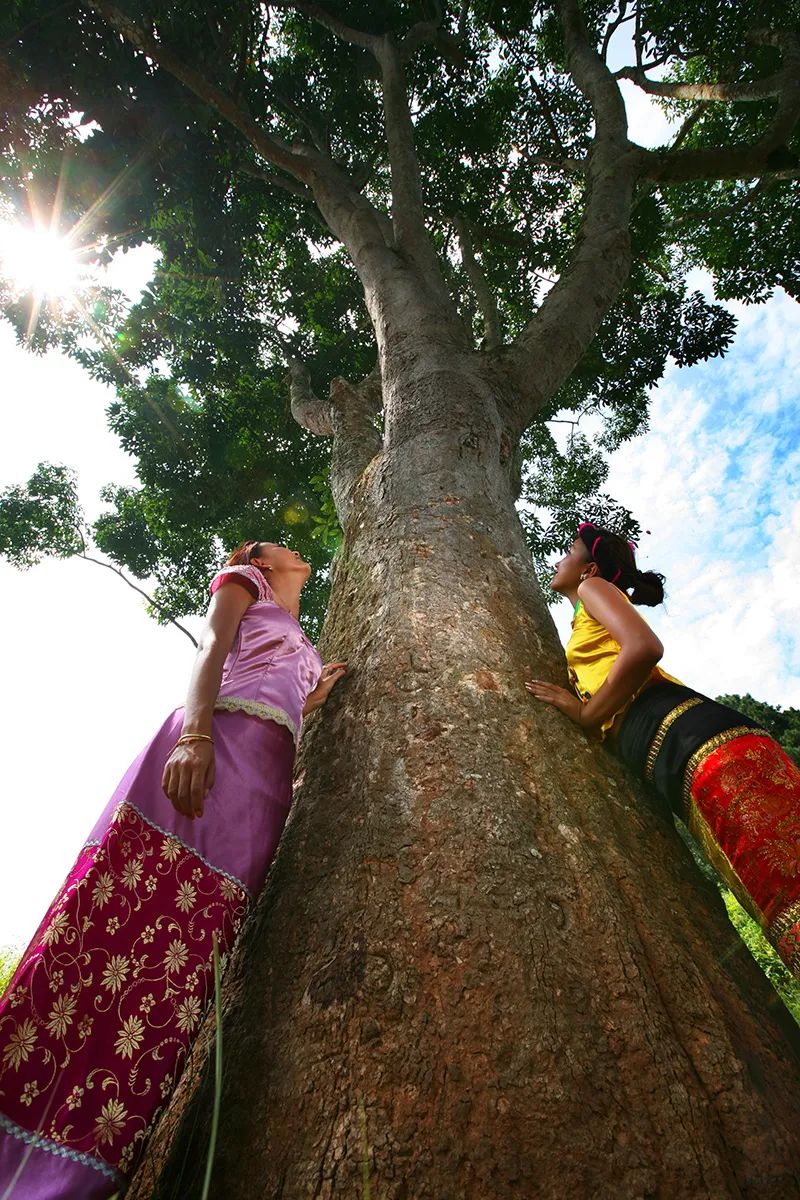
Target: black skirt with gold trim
x: 666, y: 726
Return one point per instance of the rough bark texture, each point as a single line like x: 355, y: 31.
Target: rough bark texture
x: 479, y: 941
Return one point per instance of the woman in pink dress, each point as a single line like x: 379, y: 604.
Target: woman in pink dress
x: 97, y: 1022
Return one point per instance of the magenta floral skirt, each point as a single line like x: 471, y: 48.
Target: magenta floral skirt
x: 96, y: 1024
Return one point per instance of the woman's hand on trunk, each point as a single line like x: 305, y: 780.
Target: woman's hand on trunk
x: 330, y: 676
x: 549, y: 693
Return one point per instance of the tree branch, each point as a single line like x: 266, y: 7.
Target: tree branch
x: 279, y: 181
x: 696, y: 216
x: 117, y: 571
x: 484, y: 294
x: 554, y: 341
x: 763, y: 157
x: 614, y: 25
x: 408, y: 208
x: 575, y: 166
x: 319, y: 136
x: 348, y: 214
x: 410, y: 236
x: 760, y: 89
x: 345, y: 33
x: 307, y: 409
x: 296, y: 162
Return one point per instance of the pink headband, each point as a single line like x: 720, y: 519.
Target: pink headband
x: 591, y: 525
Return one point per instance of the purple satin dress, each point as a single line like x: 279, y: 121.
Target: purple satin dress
x: 96, y: 1024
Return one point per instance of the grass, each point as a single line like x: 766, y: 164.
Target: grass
x: 785, y: 984
x: 9, y: 957
x: 212, y: 1141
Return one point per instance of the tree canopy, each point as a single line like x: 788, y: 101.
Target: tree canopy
x: 783, y: 724
x: 182, y: 107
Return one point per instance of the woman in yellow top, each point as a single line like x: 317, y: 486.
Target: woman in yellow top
x: 735, y: 788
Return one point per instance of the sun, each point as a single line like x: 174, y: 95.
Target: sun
x: 40, y: 261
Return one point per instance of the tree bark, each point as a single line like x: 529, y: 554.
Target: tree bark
x: 483, y: 964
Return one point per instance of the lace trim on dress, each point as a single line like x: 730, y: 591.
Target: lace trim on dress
x: 254, y: 575
x: 43, y: 1143
x: 168, y: 833
x: 265, y: 711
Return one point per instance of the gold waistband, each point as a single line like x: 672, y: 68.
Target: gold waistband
x: 661, y: 733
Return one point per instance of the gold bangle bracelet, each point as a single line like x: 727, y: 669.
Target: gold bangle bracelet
x: 193, y: 737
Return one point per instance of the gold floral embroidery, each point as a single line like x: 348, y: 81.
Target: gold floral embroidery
x: 188, y: 1013
x: 116, y: 972
x: 132, y: 873
x: 230, y: 891
x: 111, y: 1121
x: 61, y: 1015
x: 702, y: 753
x: 171, y: 850
x: 785, y: 919
x: 104, y: 889
x: 130, y: 1037
x: 176, y: 956
x: 145, y: 1006
x: 186, y: 897
x: 56, y: 928
x: 20, y: 1044
x: 783, y: 857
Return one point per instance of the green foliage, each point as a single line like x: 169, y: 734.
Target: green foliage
x: 42, y: 519
x: 783, y: 724
x: 249, y: 273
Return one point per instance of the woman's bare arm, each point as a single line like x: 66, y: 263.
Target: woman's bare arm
x: 189, y: 770
x: 639, y: 650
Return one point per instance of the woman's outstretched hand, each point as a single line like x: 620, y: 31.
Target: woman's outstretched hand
x: 331, y: 674
x: 189, y: 777
x: 567, y: 702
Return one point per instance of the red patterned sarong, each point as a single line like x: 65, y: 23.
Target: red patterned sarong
x: 743, y: 805
x: 96, y: 1024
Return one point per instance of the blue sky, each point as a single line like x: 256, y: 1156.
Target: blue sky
x: 716, y: 480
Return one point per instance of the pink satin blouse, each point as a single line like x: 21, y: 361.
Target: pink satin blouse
x: 272, y: 666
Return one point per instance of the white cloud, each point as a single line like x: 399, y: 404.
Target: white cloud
x: 716, y: 480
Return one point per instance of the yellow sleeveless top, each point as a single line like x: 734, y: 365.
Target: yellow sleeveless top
x: 591, y: 652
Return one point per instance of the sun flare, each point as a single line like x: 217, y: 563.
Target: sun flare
x: 40, y: 261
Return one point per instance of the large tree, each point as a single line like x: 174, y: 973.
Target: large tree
x: 483, y: 965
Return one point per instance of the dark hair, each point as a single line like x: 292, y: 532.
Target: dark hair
x: 244, y: 554
x: 616, y: 561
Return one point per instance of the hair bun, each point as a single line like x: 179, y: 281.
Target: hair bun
x: 648, y: 588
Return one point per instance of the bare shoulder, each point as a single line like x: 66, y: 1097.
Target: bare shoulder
x: 599, y: 597
x: 609, y: 606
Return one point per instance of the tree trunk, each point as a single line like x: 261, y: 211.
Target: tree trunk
x: 484, y: 965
